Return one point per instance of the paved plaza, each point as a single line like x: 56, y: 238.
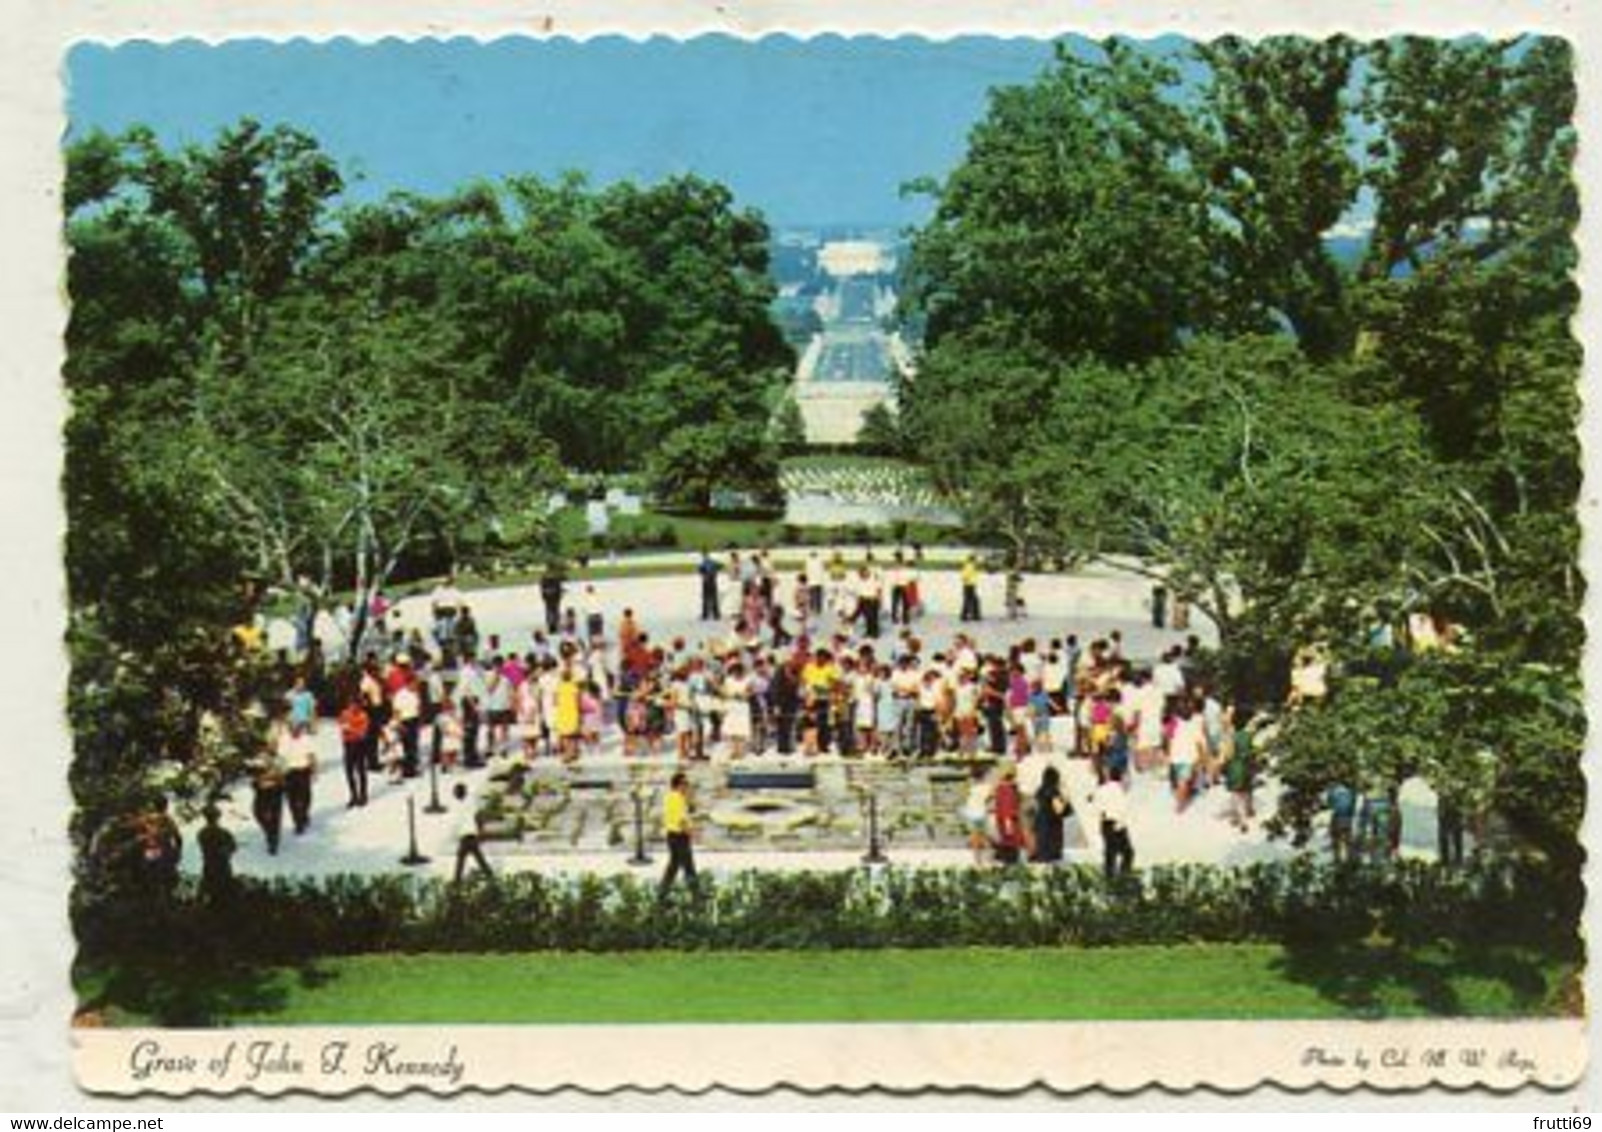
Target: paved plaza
x: 765, y: 811
x: 1091, y: 602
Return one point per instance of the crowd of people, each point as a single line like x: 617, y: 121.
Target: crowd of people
x: 827, y: 660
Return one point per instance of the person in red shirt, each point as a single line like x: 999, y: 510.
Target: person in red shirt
x: 354, y: 727
x: 1009, y: 818
x: 400, y: 674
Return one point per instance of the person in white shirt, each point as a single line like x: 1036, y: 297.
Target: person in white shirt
x: 870, y: 600
x: 446, y: 604
x: 815, y: 575
x: 1146, y: 701
x: 1187, y: 753
x: 464, y: 834
x: 1168, y: 675
x: 298, y: 754
x: 589, y: 609
x: 1111, y: 802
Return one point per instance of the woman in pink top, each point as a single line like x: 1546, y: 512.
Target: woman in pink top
x: 1018, y: 714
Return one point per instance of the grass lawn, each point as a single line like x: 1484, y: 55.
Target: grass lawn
x: 1187, y: 982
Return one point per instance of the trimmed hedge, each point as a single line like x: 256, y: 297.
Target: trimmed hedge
x: 1291, y: 902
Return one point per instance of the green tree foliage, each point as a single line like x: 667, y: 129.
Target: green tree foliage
x: 1098, y: 279
x: 696, y: 461
x: 1276, y: 156
x: 1235, y: 471
x: 1484, y: 733
x: 265, y: 390
x: 154, y: 578
x: 1078, y: 220
x: 880, y: 431
x: 350, y: 441
x: 604, y: 319
x: 789, y: 426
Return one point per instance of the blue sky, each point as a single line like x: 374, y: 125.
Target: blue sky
x: 819, y: 131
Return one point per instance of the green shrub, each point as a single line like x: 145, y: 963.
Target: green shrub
x: 1296, y: 901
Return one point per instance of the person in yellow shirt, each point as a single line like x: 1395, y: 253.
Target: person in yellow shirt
x: 676, y: 824
x: 970, y: 589
x: 250, y: 637
x: 818, y: 678
x: 568, y: 715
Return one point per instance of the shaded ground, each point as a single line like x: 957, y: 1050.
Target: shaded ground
x: 1226, y: 981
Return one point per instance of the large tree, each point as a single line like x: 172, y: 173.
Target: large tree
x: 172, y: 257
x: 1077, y: 220
x: 1276, y: 149
x: 351, y: 440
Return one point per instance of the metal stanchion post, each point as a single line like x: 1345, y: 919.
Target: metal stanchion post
x: 641, y: 857
x: 413, y: 857
x: 875, y: 854
x: 434, y: 806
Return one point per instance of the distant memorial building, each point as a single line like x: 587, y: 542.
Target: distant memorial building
x: 845, y: 258
x: 845, y: 370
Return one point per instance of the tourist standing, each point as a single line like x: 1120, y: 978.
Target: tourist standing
x: 708, y: 570
x: 1118, y: 853
x: 267, y: 806
x: 498, y: 706
x: 736, y: 710
x: 569, y: 715
x: 900, y: 609
x: 594, y: 618
x: 407, y: 703
x: 970, y: 589
x: 446, y: 604
x: 300, y: 764
x: 354, y: 726
x: 1239, y: 773
x: 551, y: 589
x: 1009, y: 818
x: 676, y: 824
x: 1188, y: 754
x: 870, y: 600
x: 993, y: 706
x: 302, y: 705
x: 1342, y: 802
x: 1051, y: 810
x: 976, y: 813
x: 784, y: 693
x: 217, y: 847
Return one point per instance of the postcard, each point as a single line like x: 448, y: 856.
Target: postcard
x: 838, y: 560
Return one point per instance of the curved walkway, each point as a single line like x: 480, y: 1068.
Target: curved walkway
x: 1090, y: 603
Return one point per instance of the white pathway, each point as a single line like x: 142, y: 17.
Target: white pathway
x: 1090, y: 602
x: 373, y: 839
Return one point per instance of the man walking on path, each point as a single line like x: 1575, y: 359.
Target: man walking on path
x: 466, y: 834
x: 676, y: 824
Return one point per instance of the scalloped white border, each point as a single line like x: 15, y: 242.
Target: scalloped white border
x: 35, y: 1002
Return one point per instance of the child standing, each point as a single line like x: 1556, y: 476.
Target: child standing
x: 450, y: 736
